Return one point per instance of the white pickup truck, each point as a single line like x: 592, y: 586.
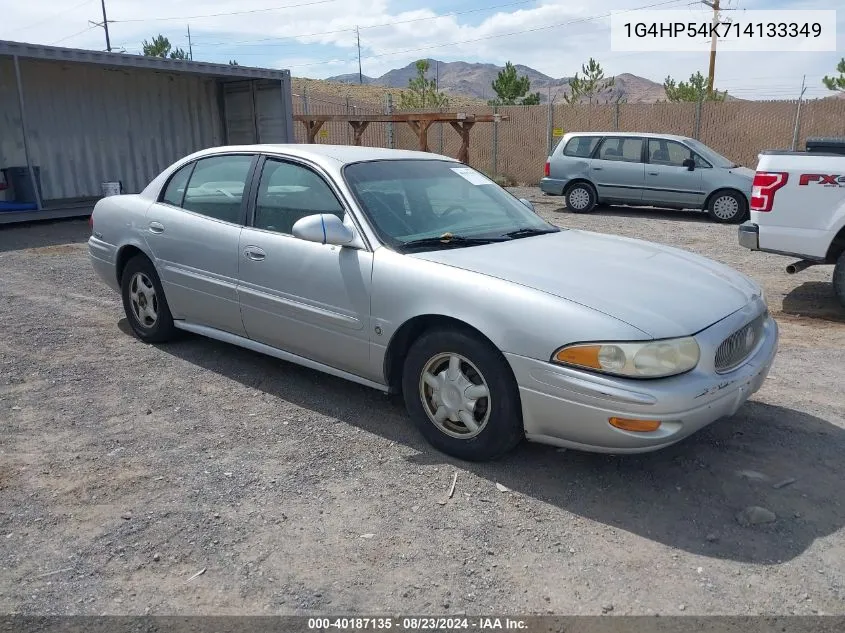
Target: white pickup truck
x: 798, y: 208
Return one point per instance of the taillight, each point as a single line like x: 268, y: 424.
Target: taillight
x: 547, y: 171
x: 763, y: 189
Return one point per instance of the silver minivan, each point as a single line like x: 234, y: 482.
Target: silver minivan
x: 658, y: 170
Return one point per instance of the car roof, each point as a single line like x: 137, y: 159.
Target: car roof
x: 338, y: 154
x: 671, y: 137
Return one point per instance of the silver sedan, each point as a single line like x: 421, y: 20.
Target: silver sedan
x: 412, y: 273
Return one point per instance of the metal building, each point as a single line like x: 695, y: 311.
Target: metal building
x: 75, y: 119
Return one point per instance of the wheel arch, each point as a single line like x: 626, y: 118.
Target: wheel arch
x: 124, y: 254
x: 581, y: 181
x: 409, y: 332
x: 837, y: 246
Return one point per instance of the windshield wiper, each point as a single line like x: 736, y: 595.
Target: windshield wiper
x: 527, y: 232
x: 447, y: 239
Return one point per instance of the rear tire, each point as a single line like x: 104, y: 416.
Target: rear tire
x: 461, y: 394
x: 727, y: 207
x: 144, y: 302
x: 580, y: 197
x: 839, y: 279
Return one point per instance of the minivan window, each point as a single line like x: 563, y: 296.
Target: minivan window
x: 621, y: 148
x: 666, y: 152
x: 581, y: 146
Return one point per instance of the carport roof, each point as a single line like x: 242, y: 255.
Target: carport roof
x: 125, y: 60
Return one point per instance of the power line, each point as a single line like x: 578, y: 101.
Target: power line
x: 54, y: 16
x: 74, y: 35
x: 228, y: 13
x: 372, y: 26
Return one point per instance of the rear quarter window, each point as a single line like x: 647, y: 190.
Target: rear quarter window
x: 581, y: 146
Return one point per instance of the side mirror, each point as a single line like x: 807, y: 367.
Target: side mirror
x: 528, y: 204
x: 689, y: 163
x: 324, y: 228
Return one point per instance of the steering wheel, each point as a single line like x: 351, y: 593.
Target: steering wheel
x: 393, y: 213
x: 451, y: 210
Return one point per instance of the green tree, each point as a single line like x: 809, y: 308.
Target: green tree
x: 511, y: 89
x: 697, y: 89
x: 422, y: 92
x: 590, y: 85
x: 836, y: 83
x: 160, y: 47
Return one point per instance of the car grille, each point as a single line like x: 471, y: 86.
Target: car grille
x: 739, y: 345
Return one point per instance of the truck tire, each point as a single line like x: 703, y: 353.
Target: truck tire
x: 839, y: 278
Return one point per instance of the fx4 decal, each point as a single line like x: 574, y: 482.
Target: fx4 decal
x: 825, y: 180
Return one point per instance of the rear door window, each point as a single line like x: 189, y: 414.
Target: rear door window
x: 217, y: 185
x: 621, y: 148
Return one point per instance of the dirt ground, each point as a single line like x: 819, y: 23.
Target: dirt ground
x: 126, y: 469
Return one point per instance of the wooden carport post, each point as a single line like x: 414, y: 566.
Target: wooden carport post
x: 463, y: 128
x: 358, y: 127
x: 420, y: 128
x: 311, y: 129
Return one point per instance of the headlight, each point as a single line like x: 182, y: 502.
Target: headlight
x: 652, y: 359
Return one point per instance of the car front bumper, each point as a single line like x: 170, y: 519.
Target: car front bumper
x: 571, y: 408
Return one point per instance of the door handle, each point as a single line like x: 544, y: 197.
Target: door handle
x: 597, y: 168
x: 156, y: 227
x: 653, y: 173
x: 254, y: 253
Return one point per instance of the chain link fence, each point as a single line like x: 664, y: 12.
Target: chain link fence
x: 516, y: 149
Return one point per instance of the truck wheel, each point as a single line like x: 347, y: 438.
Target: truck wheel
x: 839, y: 278
x: 727, y: 207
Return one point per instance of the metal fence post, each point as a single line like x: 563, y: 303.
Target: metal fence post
x: 440, y: 126
x: 797, y: 126
x: 348, y: 127
x: 495, y: 141
x: 388, y: 109
x: 550, y: 125
x: 616, y: 117
x: 697, y: 133
x: 305, y: 98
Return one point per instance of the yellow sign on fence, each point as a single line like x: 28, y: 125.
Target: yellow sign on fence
x: 324, y: 134
x: 557, y: 132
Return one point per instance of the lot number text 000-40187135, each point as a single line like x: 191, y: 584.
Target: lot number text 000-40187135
x: 745, y: 31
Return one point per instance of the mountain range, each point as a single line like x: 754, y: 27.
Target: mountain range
x: 474, y: 81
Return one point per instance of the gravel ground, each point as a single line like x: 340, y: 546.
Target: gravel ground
x: 126, y: 469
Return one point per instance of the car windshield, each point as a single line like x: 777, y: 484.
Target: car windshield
x: 714, y: 158
x: 429, y: 203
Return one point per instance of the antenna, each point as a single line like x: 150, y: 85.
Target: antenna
x: 103, y: 25
x: 358, y: 38
x: 190, y: 46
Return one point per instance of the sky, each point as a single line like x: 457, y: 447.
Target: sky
x: 317, y: 39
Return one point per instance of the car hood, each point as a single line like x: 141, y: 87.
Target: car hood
x: 660, y: 290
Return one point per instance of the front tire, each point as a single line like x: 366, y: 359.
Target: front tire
x: 727, y: 207
x: 462, y: 396
x: 144, y: 302
x: 581, y: 197
x: 839, y: 279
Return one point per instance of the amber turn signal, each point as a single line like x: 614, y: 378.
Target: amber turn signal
x: 582, y: 356
x: 641, y: 426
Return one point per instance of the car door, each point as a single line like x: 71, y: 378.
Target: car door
x: 668, y: 181
x: 193, y: 231
x: 307, y: 298
x: 617, y: 169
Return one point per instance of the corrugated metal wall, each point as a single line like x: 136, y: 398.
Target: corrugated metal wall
x: 254, y: 112
x: 89, y: 124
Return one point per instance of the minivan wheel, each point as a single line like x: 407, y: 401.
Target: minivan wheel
x: 461, y: 395
x: 727, y: 207
x: 144, y: 302
x: 839, y: 278
x: 580, y: 198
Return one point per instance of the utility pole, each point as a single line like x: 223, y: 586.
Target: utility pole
x: 190, y: 45
x: 104, y: 25
x: 712, y: 72
x: 797, y: 127
x: 358, y: 37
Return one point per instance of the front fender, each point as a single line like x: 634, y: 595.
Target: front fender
x: 516, y: 319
